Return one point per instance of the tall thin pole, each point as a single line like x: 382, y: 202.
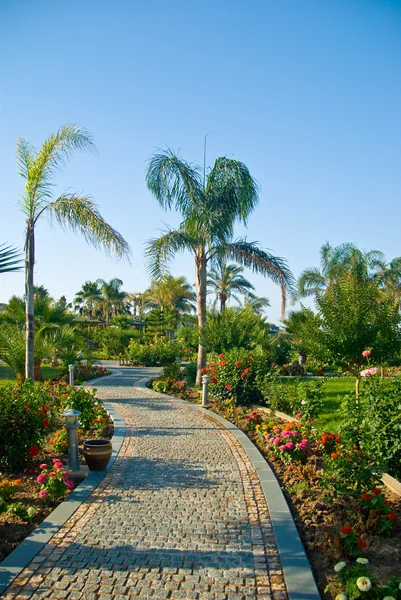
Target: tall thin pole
x: 204, y: 159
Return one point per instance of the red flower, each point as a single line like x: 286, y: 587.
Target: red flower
x: 362, y: 543
x: 221, y: 355
x: 228, y: 386
x: 222, y: 363
x: 334, y: 455
x: 392, y: 516
x: 46, y: 422
x: 346, y: 530
x: 33, y: 451
x: 376, y: 491
x: 214, y: 379
x: 238, y: 363
x: 43, y: 409
x: 27, y: 406
x: 367, y: 497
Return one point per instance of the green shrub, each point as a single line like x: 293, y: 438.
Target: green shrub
x: 298, y: 396
x: 157, y: 353
x: 78, y: 398
x: 25, y: 417
x: 236, y: 375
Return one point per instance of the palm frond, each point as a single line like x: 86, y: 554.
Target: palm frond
x: 173, y: 181
x: 310, y: 282
x: 10, y: 259
x: 40, y: 167
x: 250, y: 255
x: 79, y: 213
x: 160, y: 251
x: 231, y: 190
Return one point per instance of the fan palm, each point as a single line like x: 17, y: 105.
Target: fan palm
x: 10, y: 260
x: 209, y: 209
x: 226, y: 281
x: 335, y: 261
x: 77, y: 212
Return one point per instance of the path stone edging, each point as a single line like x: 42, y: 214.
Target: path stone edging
x: 297, y: 571
x: 22, y: 555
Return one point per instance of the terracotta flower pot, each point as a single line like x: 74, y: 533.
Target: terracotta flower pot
x: 97, y: 454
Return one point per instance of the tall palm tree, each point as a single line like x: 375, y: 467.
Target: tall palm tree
x: 77, y: 212
x: 10, y: 260
x: 334, y: 262
x: 87, y: 300
x: 227, y: 281
x: 113, y: 298
x: 209, y: 207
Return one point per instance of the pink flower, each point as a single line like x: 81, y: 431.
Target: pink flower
x: 43, y: 466
x: 290, y: 445
x: 42, y: 478
x: 309, y: 453
x: 69, y: 484
x: 65, y: 475
x: 43, y: 494
x: 303, y: 447
x: 298, y: 415
x: 305, y: 441
x: 366, y: 353
x: 276, y: 430
x: 58, y: 465
x: 53, y: 474
x: 369, y: 372
x: 285, y: 434
x: 292, y: 467
x: 283, y: 447
x: 276, y: 441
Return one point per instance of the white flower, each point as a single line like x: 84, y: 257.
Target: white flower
x: 388, y: 598
x: 303, y: 402
x: 364, y: 584
x: 341, y: 597
x: 31, y: 511
x: 362, y: 561
x: 339, y: 566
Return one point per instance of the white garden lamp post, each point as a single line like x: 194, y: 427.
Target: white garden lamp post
x: 71, y: 369
x: 205, y: 383
x: 71, y: 424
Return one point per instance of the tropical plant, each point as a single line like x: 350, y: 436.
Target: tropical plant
x: 256, y: 303
x: 87, y: 300
x: 113, y: 298
x: 209, y: 207
x: 337, y: 261
x: 171, y: 292
x: 226, y: 281
x: 79, y: 213
x: 10, y: 260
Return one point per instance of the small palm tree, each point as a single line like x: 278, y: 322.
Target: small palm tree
x: 87, y: 300
x: 209, y: 207
x: 335, y: 261
x: 173, y: 292
x: 227, y: 281
x: 77, y: 212
x: 256, y: 303
x: 10, y: 260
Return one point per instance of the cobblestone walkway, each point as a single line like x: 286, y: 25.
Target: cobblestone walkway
x: 179, y: 515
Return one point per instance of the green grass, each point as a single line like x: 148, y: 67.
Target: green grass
x: 7, y: 375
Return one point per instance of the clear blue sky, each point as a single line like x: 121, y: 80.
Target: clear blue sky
x: 306, y: 92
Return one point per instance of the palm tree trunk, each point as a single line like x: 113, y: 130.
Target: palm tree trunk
x: 200, y: 286
x: 283, y: 302
x: 223, y: 300
x: 29, y: 310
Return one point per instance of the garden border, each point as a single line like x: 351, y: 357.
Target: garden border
x: 22, y: 555
x: 297, y: 571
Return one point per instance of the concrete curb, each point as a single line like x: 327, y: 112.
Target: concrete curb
x: 19, y: 558
x: 297, y: 571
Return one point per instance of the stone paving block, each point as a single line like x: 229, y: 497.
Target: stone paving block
x: 181, y: 514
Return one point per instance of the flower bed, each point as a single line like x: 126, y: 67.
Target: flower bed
x: 33, y: 445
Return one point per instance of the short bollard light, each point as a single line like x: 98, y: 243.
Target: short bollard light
x: 205, y: 383
x: 71, y: 424
x: 71, y: 369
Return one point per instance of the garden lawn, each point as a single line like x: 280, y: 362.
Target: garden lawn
x: 7, y: 375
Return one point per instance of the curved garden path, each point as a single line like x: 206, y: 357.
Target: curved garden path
x: 180, y: 514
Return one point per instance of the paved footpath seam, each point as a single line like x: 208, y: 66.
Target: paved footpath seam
x: 181, y: 514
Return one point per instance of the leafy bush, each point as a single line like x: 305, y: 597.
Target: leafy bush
x: 115, y: 340
x: 237, y: 375
x: 84, y: 372
x: 54, y: 481
x: 172, y: 381
x: 158, y: 352
x: 305, y: 397
x: 93, y: 415
x: 291, y: 442
x: 25, y: 417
